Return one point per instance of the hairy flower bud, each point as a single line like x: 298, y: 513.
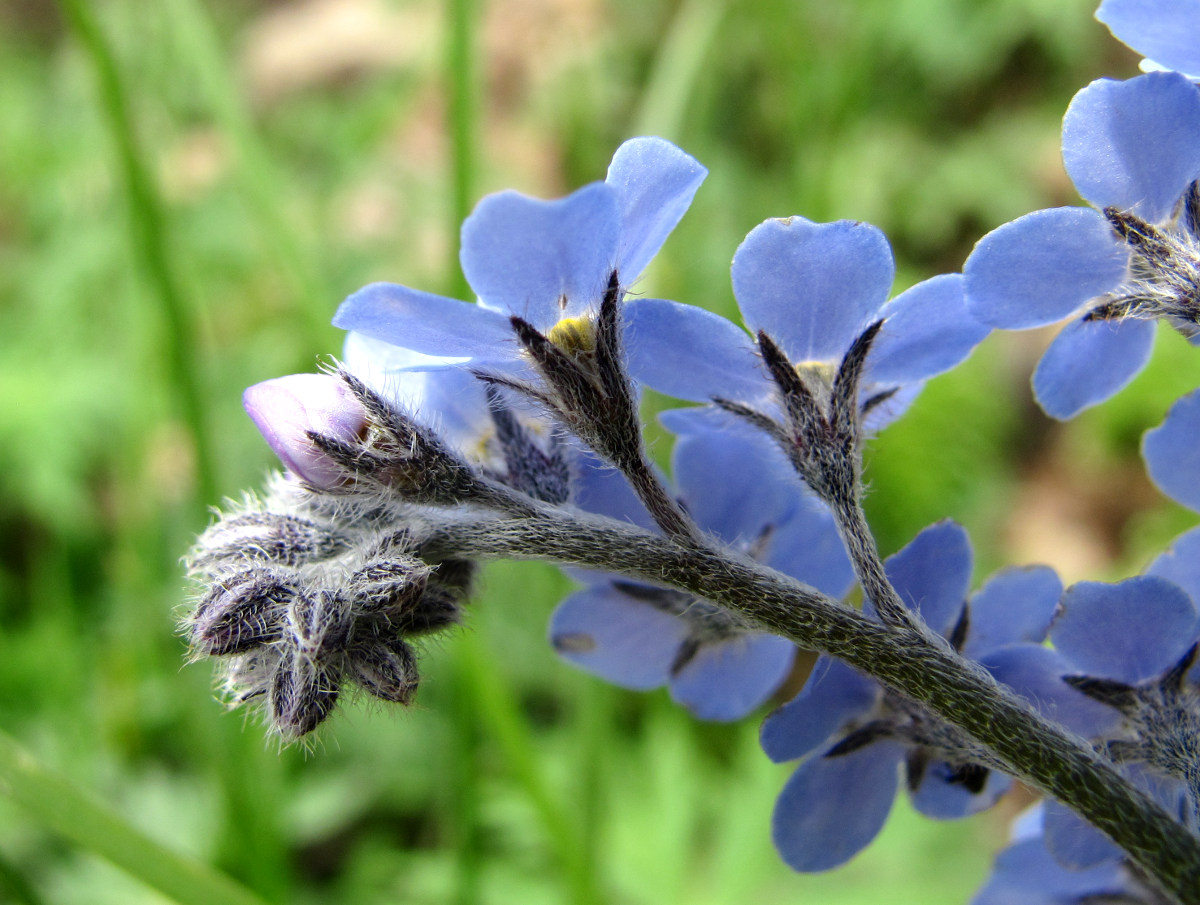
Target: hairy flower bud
x: 288, y: 409
x: 388, y: 587
x: 387, y: 670
x: 303, y: 693
x: 243, y: 612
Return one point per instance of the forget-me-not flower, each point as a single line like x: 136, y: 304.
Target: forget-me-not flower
x: 1027, y: 873
x: 1166, y: 31
x: 737, y: 486
x: 1132, y: 646
x: 853, y: 736
x: 548, y: 263
x: 1133, y: 151
x: 813, y: 288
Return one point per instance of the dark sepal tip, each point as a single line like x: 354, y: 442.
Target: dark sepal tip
x: 1106, y: 691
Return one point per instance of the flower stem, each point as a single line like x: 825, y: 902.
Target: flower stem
x: 1033, y: 749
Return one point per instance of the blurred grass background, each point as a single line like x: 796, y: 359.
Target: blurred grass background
x: 188, y: 189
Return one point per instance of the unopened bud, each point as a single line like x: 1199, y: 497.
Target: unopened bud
x: 388, y: 587
x: 302, y: 694
x: 387, y: 669
x: 240, y: 613
x: 288, y: 409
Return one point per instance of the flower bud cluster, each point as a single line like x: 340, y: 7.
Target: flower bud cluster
x: 306, y: 592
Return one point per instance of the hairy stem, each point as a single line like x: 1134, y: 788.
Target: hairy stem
x: 1033, y: 749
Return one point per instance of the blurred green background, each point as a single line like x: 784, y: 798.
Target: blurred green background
x: 187, y: 191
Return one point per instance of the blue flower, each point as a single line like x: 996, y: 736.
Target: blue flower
x: 735, y: 484
x: 498, y: 431
x: 1028, y: 874
x: 853, y: 735
x: 1132, y: 647
x: 813, y: 288
x: 1166, y: 31
x: 546, y: 262
x: 1133, y: 151
x: 1173, y: 462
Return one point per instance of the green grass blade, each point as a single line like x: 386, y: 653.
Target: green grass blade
x: 56, y: 803
x: 149, y: 228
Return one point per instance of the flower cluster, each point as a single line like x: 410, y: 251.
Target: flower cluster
x: 456, y: 431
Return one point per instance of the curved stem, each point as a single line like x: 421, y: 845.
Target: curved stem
x: 1035, y: 750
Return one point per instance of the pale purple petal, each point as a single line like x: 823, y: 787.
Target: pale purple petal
x: 287, y: 409
x: 1133, y: 145
x: 833, y: 807
x: 1131, y: 631
x: 1166, y: 31
x: 431, y: 324
x: 1089, y: 362
x: 833, y: 696
x: 691, y: 353
x: 813, y: 287
x: 542, y: 260
x: 1042, y: 267
x: 725, y: 680
x: 932, y: 574
x: 1016, y: 604
x: 621, y: 640
x: 654, y: 183
x: 928, y: 330
x: 1172, y: 452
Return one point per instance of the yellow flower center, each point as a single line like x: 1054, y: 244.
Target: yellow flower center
x: 576, y: 336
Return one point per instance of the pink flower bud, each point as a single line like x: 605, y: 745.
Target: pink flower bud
x: 286, y: 409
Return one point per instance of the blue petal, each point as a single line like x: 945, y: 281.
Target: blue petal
x: 432, y: 324
x: 450, y: 400
x: 1166, y: 32
x: 807, y: 546
x: 598, y: 487
x: 1016, y: 604
x: 1074, y: 842
x: 928, y: 330
x: 1181, y: 563
x: 1090, y: 361
x: 813, y: 287
x: 725, y: 680
x: 619, y: 639
x: 1172, y: 454
x: 1035, y: 673
x: 940, y: 797
x: 1131, y: 631
x: 1042, y: 267
x: 1133, y: 145
x: 891, y: 408
x: 833, y: 807
x: 691, y: 353
x: 1027, y: 874
x: 732, y: 486
x: 542, y: 260
x: 833, y: 697
x: 654, y: 183
x: 932, y: 574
